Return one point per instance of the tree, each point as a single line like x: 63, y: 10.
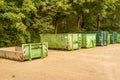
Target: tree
x: 56, y: 10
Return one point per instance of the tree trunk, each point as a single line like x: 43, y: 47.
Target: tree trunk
x: 56, y: 25
x: 83, y: 23
x: 78, y: 23
x: 98, y: 22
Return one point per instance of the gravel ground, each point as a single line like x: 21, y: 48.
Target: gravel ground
x: 99, y: 63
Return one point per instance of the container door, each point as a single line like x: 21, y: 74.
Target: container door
x: 112, y: 38
x: 108, y: 40
x: 75, y: 41
x: 84, y: 41
x: 107, y: 35
x: 68, y: 41
x: 79, y: 40
x: 94, y: 40
x: 90, y: 41
x: 44, y: 49
x: 99, y: 38
x: 104, y: 38
x: 115, y: 36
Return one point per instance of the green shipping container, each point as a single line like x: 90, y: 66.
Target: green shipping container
x: 113, y: 37
x: 118, y: 38
x: 62, y: 41
x: 26, y: 52
x: 88, y: 40
x: 99, y: 36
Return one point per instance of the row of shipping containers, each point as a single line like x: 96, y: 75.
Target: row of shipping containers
x: 64, y: 41
x: 72, y: 41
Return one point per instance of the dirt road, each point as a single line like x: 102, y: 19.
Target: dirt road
x: 99, y: 63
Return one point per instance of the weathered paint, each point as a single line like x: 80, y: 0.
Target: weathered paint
x: 88, y: 40
x: 105, y: 38
x: 99, y: 36
x: 27, y: 52
x: 113, y: 37
x: 108, y: 39
x: 62, y: 41
x: 118, y: 38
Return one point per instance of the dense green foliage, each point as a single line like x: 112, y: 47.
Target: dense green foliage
x: 21, y: 21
